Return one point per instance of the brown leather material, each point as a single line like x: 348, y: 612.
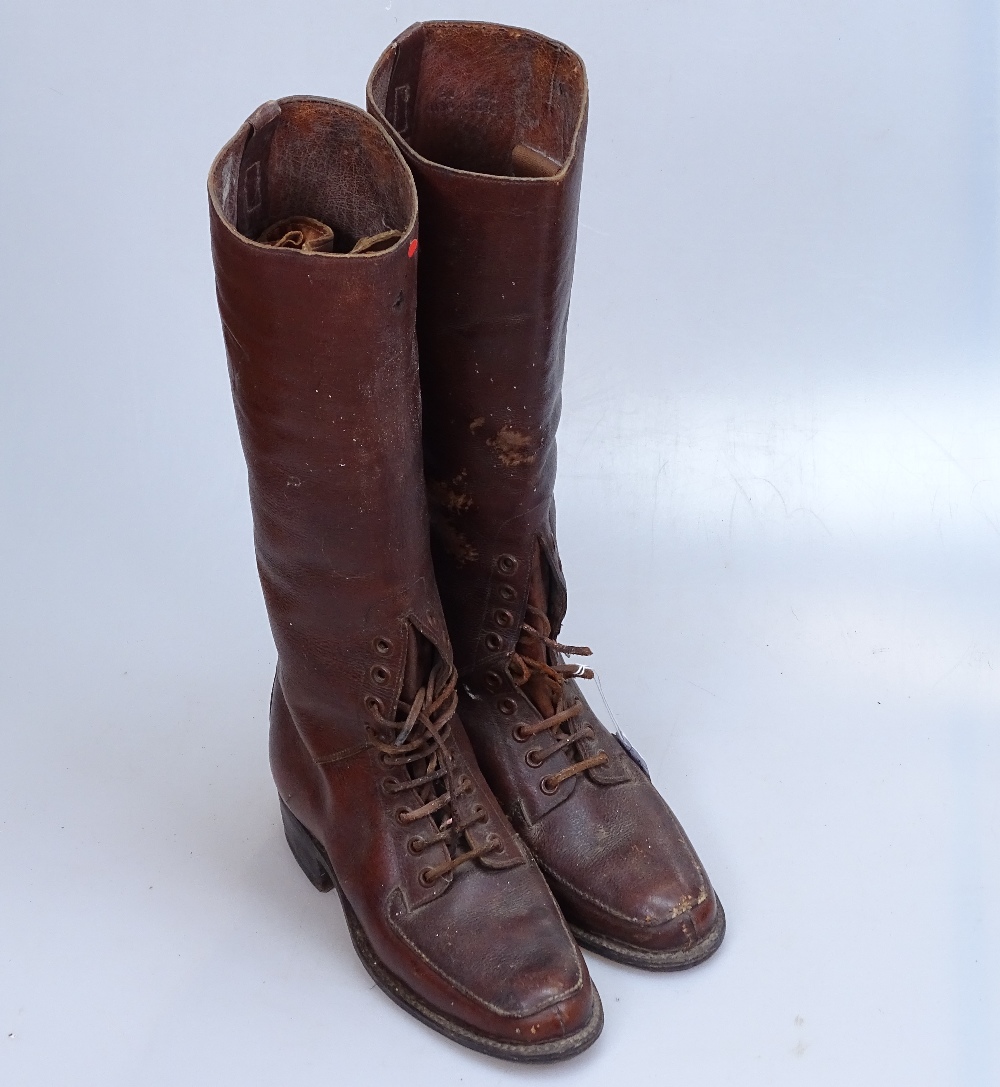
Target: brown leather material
x: 492, y: 122
x: 322, y: 358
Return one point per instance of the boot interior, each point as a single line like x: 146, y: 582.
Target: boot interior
x: 483, y: 98
x: 321, y: 160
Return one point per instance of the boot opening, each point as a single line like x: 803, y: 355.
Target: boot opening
x: 314, y: 175
x: 490, y: 99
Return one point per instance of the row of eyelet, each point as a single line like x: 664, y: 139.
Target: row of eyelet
x: 531, y: 758
x: 383, y: 647
x: 415, y: 845
x: 506, y: 565
x: 379, y: 674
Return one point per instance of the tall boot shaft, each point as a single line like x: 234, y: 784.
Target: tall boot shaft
x: 492, y: 122
x: 323, y: 367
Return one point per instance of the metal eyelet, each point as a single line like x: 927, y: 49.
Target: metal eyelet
x: 495, y: 842
x: 382, y: 646
x: 415, y: 845
x: 532, y: 759
x: 423, y: 878
x: 374, y: 705
x: 492, y: 682
x: 546, y: 786
x: 493, y: 641
x: 385, y: 760
x: 506, y: 564
x: 520, y: 735
x: 507, y: 592
x: 502, y: 617
x: 464, y: 785
x: 387, y: 785
x: 380, y: 675
x: 507, y: 706
x: 400, y: 812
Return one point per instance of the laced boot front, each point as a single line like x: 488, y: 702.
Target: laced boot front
x: 314, y: 234
x: 492, y: 122
x: 420, y: 748
x: 538, y: 669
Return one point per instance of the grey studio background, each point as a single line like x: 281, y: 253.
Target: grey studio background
x: 779, y: 514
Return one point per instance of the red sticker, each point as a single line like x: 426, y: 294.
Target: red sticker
x: 412, y: 249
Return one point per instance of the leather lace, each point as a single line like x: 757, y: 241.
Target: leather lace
x: 420, y: 744
x: 559, y: 724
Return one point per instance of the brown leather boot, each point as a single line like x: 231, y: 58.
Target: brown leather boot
x: 314, y: 235
x: 491, y: 120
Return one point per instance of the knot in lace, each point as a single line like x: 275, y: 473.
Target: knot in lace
x: 419, y: 744
x: 548, y: 681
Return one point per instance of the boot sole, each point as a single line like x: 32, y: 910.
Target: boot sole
x: 313, y: 860
x: 631, y: 955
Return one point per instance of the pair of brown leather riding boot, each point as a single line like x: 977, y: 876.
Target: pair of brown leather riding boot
x: 436, y: 759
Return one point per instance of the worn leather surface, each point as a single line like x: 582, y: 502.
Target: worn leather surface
x: 492, y: 122
x: 322, y: 360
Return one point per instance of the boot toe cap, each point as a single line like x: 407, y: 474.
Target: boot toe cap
x: 672, y: 924
x: 628, y: 879
x: 565, y: 1019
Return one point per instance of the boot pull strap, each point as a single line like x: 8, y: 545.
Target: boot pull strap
x: 401, y: 96
x: 251, y: 198
x: 527, y: 161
